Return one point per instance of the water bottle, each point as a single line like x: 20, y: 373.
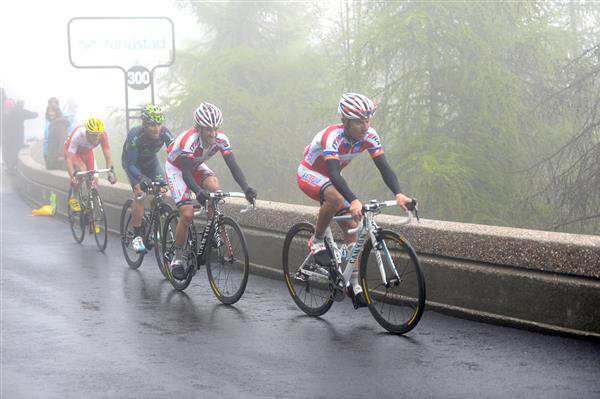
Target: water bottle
x: 343, y: 253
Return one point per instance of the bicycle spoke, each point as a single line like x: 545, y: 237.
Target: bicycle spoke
x: 397, y: 304
x: 309, y: 292
x: 133, y: 259
x: 227, y: 263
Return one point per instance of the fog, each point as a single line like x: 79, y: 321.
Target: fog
x: 489, y: 112
x: 35, y: 62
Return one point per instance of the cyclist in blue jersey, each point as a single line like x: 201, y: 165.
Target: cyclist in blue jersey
x: 141, y: 163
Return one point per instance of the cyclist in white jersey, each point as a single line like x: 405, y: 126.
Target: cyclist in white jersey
x: 188, y: 176
x: 319, y: 174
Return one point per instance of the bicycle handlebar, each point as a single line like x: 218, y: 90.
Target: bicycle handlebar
x: 236, y: 194
x: 153, y: 187
x: 90, y: 172
x: 222, y: 194
x: 374, y: 206
x: 250, y: 206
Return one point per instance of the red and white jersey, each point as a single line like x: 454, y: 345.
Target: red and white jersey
x: 330, y: 143
x: 189, y: 145
x: 77, y: 143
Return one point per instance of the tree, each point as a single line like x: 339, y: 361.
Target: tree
x: 268, y: 80
x: 568, y: 178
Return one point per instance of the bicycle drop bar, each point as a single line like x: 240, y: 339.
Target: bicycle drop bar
x: 89, y: 172
x: 154, y: 189
x: 221, y: 194
x: 375, y: 206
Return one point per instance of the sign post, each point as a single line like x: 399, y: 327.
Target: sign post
x: 135, y: 45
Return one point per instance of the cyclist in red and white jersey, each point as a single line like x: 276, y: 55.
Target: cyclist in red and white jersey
x: 188, y: 176
x: 79, y: 149
x: 319, y: 174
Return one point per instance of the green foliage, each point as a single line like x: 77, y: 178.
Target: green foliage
x: 270, y: 98
x: 460, y: 86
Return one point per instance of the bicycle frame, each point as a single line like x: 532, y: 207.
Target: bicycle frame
x: 155, y: 205
x: 367, y: 229
x: 89, y: 177
x: 217, y: 198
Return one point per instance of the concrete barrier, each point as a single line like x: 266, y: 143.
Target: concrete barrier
x: 525, y: 278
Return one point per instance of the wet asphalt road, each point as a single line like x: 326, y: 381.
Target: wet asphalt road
x: 77, y: 323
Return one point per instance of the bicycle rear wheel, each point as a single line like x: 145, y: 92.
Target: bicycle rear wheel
x: 398, y: 302
x: 227, y: 263
x: 159, y: 223
x: 75, y: 214
x: 309, y: 285
x: 168, y: 251
x: 98, y: 221
x: 133, y: 259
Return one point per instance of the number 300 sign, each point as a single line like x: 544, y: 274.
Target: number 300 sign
x: 138, y: 77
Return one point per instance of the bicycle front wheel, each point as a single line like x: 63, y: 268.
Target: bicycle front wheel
x: 75, y: 214
x: 227, y: 263
x: 168, y: 252
x: 307, y: 282
x: 98, y: 222
x: 133, y: 259
x: 159, y: 224
x: 395, y: 290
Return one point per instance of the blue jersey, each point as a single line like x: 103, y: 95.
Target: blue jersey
x: 140, y: 149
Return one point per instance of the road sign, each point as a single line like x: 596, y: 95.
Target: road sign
x: 135, y: 45
x: 138, y: 77
x: 108, y: 42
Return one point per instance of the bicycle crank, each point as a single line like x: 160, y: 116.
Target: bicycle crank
x: 337, y: 284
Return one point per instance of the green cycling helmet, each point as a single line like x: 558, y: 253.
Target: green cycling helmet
x: 153, y: 114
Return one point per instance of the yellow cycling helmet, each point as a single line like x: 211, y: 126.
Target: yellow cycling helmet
x: 94, y: 125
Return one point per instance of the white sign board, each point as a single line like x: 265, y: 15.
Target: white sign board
x: 121, y: 42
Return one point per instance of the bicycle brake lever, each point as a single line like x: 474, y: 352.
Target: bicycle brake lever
x: 251, y: 206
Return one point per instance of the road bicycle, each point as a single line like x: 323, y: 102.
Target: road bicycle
x: 85, y: 209
x: 220, y: 245
x: 153, y: 221
x: 389, y: 271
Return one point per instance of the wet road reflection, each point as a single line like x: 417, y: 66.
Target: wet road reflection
x: 77, y: 323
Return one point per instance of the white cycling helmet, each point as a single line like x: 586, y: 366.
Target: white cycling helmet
x: 208, y: 115
x: 356, y: 106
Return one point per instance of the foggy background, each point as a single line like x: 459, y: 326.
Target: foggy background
x: 488, y: 111
x: 35, y: 62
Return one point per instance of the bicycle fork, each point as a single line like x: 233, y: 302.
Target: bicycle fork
x: 90, y: 214
x: 378, y: 247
